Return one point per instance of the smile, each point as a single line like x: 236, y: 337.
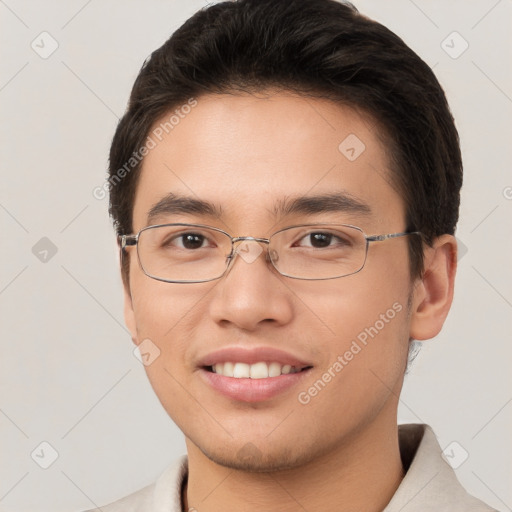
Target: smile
x: 260, y: 370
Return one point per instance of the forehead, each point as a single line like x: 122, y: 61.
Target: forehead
x: 249, y: 155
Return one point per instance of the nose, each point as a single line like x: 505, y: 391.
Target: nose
x: 252, y: 292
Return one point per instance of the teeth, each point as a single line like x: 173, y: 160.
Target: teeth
x: 286, y: 369
x: 274, y: 370
x: 228, y: 368
x: 259, y: 370
x: 241, y: 370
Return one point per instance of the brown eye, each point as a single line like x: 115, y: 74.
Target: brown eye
x: 322, y: 239
x: 192, y: 240
x: 188, y: 241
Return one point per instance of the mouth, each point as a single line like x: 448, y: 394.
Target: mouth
x: 259, y: 370
x: 253, y: 374
x: 256, y: 382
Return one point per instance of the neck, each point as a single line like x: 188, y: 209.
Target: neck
x: 362, y: 473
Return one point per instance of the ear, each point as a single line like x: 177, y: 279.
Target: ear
x: 129, y: 314
x: 433, y: 292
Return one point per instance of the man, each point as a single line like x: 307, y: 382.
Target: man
x: 285, y: 187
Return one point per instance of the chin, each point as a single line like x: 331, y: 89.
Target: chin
x: 252, y: 459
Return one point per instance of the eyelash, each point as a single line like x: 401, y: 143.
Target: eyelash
x: 333, y: 237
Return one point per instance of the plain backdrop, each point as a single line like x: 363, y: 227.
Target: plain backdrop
x: 68, y: 375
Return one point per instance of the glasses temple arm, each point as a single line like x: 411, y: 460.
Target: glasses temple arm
x: 128, y: 240
x: 380, y: 238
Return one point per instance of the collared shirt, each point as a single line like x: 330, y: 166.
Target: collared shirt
x: 429, y: 485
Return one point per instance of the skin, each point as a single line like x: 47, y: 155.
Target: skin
x: 339, y: 451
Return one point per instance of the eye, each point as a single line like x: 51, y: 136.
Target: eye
x: 187, y: 241
x: 320, y: 240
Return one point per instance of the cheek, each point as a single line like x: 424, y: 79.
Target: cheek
x: 367, y: 317
x: 370, y: 332
x: 163, y: 309
x: 364, y: 364
x: 167, y: 317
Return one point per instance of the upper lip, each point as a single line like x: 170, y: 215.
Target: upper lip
x: 251, y: 356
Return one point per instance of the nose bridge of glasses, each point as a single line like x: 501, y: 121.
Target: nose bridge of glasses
x: 246, y: 250
x: 237, y: 239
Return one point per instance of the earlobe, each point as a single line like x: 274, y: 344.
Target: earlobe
x: 129, y: 314
x: 433, y: 292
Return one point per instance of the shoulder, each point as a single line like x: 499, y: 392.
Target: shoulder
x: 139, y: 501
x: 430, y: 483
x: 163, y: 494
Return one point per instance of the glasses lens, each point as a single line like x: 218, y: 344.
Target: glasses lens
x: 183, y: 252
x: 321, y: 251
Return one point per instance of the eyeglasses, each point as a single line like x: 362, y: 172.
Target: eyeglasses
x: 195, y: 253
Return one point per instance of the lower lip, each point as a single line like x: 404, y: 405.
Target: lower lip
x: 252, y: 390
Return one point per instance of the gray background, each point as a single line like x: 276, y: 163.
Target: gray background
x: 67, y: 369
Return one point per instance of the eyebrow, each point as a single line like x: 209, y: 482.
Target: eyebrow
x: 173, y: 203
x: 306, y: 205
x: 324, y: 203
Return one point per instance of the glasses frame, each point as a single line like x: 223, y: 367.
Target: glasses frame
x: 133, y: 240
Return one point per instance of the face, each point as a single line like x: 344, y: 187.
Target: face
x: 246, y: 155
